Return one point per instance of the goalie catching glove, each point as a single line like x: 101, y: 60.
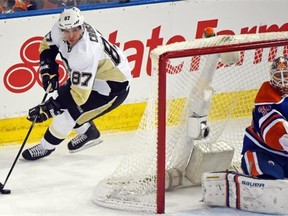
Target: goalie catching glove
x: 44, y: 111
x: 49, y: 74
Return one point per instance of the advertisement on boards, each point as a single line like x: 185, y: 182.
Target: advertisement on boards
x: 136, y: 29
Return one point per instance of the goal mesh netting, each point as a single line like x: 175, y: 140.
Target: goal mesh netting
x: 184, y: 74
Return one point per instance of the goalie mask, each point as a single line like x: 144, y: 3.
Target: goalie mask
x: 71, y: 18
x: 279, y: 74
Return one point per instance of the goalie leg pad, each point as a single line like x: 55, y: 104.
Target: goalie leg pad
x: 173, y: 178
x: 229, y: 189
x: 205, y: 159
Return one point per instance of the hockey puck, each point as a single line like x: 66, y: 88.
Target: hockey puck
x: 5, y: 191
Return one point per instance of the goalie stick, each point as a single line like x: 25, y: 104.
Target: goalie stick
x: 8, y: 191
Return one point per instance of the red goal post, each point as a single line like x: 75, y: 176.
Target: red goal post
x: 190, y: 79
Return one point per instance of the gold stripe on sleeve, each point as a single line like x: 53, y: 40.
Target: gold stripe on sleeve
x: 43, y: 45
x: 107, y: 71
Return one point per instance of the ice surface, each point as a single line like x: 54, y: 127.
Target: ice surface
x: 62, y: 184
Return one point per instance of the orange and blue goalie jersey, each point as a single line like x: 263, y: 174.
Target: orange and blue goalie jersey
x: 269, y: 122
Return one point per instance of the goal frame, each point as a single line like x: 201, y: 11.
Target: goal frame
x: 161, y: 130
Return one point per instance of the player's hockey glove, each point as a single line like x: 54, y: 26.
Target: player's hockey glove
x: 44, y: 111
x: 49, y: 74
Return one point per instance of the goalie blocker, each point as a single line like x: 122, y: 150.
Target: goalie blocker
x: 234, y: 190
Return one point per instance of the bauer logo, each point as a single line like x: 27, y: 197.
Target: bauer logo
x: 253, y: 184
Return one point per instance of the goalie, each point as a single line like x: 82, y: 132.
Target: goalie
x: 264, y: 162
x: 265, y: 145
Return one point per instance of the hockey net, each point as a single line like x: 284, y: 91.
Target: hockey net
x: 190, y: 77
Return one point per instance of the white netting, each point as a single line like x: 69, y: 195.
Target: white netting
x: 189, y: 79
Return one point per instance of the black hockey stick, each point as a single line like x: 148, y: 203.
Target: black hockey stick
x: 7, y: 191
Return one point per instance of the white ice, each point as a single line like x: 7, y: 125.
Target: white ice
x: 62, y: 184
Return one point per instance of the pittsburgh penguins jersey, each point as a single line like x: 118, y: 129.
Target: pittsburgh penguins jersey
x: 269, y: 122
x: 93, y: 63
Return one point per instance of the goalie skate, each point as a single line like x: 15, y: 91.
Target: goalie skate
x: 83, y: 141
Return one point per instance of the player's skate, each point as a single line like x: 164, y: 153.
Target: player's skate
x: 36, y: 152
x: 82, y: 141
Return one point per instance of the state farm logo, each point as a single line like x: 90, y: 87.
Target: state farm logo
x: 22, y: 76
